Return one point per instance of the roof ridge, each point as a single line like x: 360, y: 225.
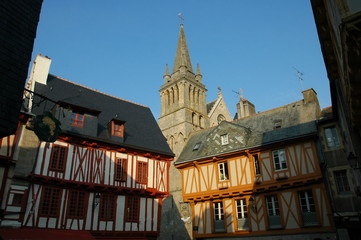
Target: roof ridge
x: 273, y: 109
x: 67, y: 80
x: 269, y: 110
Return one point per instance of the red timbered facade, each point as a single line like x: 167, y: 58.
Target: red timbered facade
x: 111, y: 185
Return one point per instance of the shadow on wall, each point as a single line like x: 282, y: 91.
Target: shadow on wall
x: 175, y: 221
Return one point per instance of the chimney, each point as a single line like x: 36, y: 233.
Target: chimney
x: 39, y: 73
x: 309, y: 96
x: 245, y: 108
x: 39, y: 70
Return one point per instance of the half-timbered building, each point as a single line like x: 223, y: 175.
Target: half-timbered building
x: 106, y: 173
x: 258, y: 176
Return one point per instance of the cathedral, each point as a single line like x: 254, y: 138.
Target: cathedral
x: 184, y: 110
x: 239, y: 177
x: 183, y: 100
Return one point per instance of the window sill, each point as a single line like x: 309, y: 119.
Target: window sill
x: 274, y: 228
x: 311, y: 226
x: 282, y: 178
x: 56, y: 170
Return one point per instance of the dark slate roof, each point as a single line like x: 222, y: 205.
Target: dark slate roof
x: 141, y: 129
x: 210, y: 105
x: 249, y: 132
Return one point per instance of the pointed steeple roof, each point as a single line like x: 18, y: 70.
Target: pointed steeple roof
x: 182, y: 57
x: 166, y: 73
x: 198, y: 70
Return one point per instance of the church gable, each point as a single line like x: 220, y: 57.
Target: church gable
x: 217, y: 111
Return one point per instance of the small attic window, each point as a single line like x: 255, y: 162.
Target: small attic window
x: 196, y: 147
x: 117, y: 128
x: 277, y: 124
x: 77, y: 119
x: 224, y: 139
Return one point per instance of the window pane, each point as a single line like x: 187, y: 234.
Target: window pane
x: 142, y: 173
x: 132, y: 209
x: 77, y: 119
x: 223, y: 171
x: 58, y: 158
x: 256, y: 164
x: 107, y: 206
x: 279, y: 159
x: 120, y: 169
x: 50, y: 201
x: 331, y: 137
x: 342, y: 181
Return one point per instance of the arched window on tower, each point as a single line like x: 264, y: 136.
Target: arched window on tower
x: 176, y: 93
x: 201, y: 125
x: 194, y: 119
x: 190, y: 94
x: 220, y: 118
x: 167, y: 97
x: 171, y: 142
x: 172, y: 95
x: 198, y: 96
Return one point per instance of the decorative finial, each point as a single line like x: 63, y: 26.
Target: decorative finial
x: 198, y: 72
x: 180, y: 18
x: 219, y: 91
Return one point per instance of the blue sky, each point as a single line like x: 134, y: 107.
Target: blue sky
x: 120, y: 47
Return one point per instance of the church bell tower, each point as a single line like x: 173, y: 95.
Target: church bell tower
x: 183, y: 99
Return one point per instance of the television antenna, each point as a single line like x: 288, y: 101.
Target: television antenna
x: 239, y: 93
x: 299, y: 76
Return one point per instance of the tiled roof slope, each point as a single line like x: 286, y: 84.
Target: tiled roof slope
x: 141, y: 129
x: 210, y: 106
x: 297, y: 120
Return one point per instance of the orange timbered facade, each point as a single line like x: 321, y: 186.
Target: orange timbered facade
x: 223, y: 205
x: 245, y: 179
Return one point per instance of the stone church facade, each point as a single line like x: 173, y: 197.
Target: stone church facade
x: 184, y: 110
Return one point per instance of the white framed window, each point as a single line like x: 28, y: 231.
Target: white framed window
x: 279, y: 159
x: 242, y: 214
x: 341, y: 180
x: 273, y: 212
x: 241, y: 208
x: 308, y: 208
x: 331, y: 135
x: 256, y: 164
x: 224, y: 139
x: 218, y: 217
x: 218, y: 211
x: 223, y: 171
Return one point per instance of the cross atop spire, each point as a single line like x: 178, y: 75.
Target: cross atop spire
x: 181, y: 19
x: 182, y: 58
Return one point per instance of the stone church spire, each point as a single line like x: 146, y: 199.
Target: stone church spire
x: 182, y: 58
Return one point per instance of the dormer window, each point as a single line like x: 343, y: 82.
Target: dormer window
x: 224, y: 139
x: 117, y: 129
x: 196, y: 147
x: 77, y: 119
x: 277, y: 124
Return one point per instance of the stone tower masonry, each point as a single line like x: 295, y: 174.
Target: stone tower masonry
x: 183, y: 99
x: 183, y: 111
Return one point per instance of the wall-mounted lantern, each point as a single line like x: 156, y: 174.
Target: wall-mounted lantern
x: 353, y: 160
x: 252, y: 202
x: 96, y: 200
